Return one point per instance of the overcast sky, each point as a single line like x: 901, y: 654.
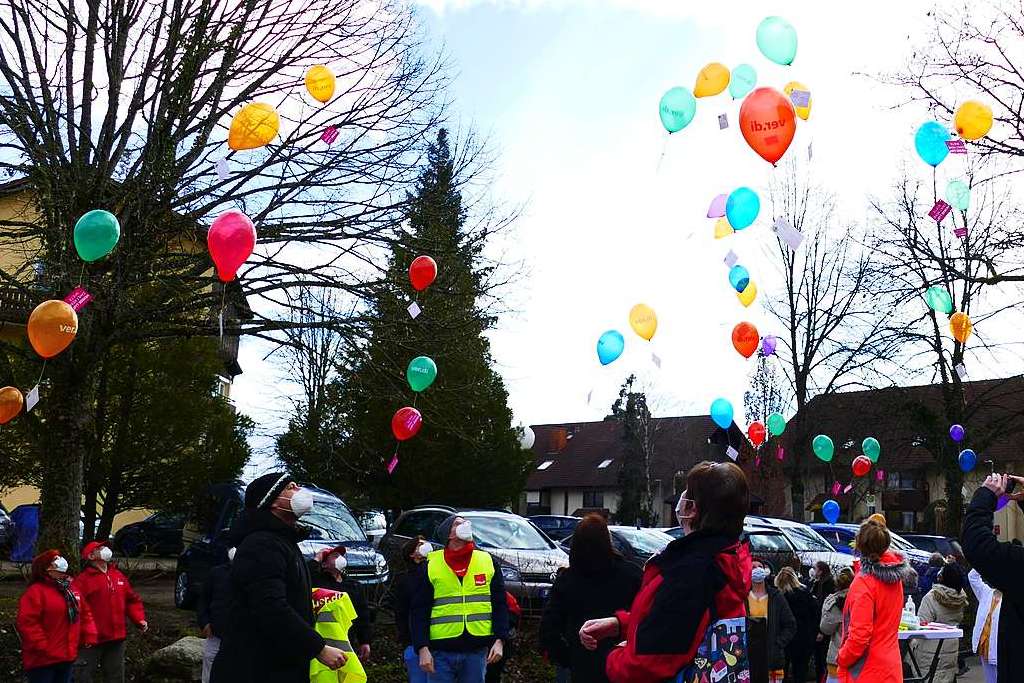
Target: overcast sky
x: 567, y: 92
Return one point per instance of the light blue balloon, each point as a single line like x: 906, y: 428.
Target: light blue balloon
x: 742, y: 80
x: 742, y: 207
x: 610, y: 346
x: 830, y: 511
x: 677, y: 108
x: 739, y: 278
x: 721, y: 413
x: 930, y: 143
x: 776, y: 39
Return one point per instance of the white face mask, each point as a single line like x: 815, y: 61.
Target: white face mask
x: 106, y: 554
x: 231, y: 554
x: 340, y: 563
x: 759, y: 574
x: 301, y: 502
x: 60, y: 564
x: 424, y: 549
x: 812, y: 572
x: 684, y: 520
x: 464, y: 531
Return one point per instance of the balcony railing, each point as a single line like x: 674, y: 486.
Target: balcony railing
x: 15, y: 306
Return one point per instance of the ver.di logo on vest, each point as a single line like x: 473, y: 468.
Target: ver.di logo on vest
x: 480, y: 579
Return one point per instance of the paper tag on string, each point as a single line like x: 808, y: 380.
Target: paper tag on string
x: 961, y: 371
x: 788, y: 234
x: 590, y: 394
x: 723, y: 122
x: 414, y: 310
x: 732, y: 452
x: 32, y: 398
x: 780, y: 453
x: 810, y: 151
x: 956, y: 146
x: 393, y: 464
x: 757, y: 461
x: 880, y: 475
x: 847, y: 488
x: 800, y: 98
x: 940, y: 211
x: 220, y: 322
x: 656, y: 360
x: 731, y: 258
x: 330, y: 135
x: 836, y: 488
x: 77, y: 298
x: 223, y: 170
x: 960, y: 232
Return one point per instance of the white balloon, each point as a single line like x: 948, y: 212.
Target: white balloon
x: 528, y: 438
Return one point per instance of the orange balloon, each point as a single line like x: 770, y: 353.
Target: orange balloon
x: 11, y: 402
x: 52, y: 327
x: 745, y: 339
x: 768, y: 122
x: 961, y: 327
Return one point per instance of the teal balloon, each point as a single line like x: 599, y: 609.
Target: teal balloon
x: 776, y: 424
x: 958, y: 194
x: 742, y: 80
x: 776, y: 39
x: 721, y: 413
x: 930, y: 143
x: 871, y: 448
x: 96, y: 235
x: 421, y: 373
x: 742, y: 207
x: 610, y: 346
x: 739, y: 278
x: 823, y: 448
x: 939, y: 300
x: 677, y: 108
x: 830, y: 511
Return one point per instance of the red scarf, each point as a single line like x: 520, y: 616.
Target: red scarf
x: 458, y: 560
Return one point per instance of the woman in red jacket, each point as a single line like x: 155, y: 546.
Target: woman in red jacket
x: 870, y: 652
x: 52, y: 621
x: 112, y: 601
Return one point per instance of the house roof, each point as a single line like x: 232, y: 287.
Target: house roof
x: 577, y: 450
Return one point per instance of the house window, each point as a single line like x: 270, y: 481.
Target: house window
x: 533, y: 497
x: 604, y: 463
x: 903, y: 481
x: 544, y: 465
x: 593, y: 499
x: 909, y: 519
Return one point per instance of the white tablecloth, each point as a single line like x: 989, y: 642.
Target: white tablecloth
x: 941, y: 633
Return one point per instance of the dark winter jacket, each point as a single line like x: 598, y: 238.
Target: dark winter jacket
x: 402, y: 600
x: 807, y: 614
x: 577, y: 596
x: 361, y: 632
x: 1001, y: 565
x: 696, y: 580
x: 777, y: 634
x: 214, y: 608
x: 270, y: 638
x: 822, y: 588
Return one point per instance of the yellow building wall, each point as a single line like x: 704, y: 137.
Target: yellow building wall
x: 24, y: 495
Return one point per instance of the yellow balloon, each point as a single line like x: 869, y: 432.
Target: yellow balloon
x: 643, y: 320
x: 748, y: 295
x: 712, y: 79
x: 254, y: 126
x: 973, y: 120
x: 961, y: 327
x: 320, y: 83
x: 722, y: 228
x: 802, y: 112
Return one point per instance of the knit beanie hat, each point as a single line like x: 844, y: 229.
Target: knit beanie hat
x: 263, y: 491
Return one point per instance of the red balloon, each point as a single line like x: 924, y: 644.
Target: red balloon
x: 756, y: 432
x: 406, y: 423
x: 768, y: 122
x: 745, y: 339
x: 422, y: 272
x: 230, y: 240
x: 861, y: 465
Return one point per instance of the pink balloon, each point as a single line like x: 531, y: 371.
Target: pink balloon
x: 717, y: 208
x: 230, y: 240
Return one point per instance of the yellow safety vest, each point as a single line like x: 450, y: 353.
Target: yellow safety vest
x: 460, y: 605
x: 334, y: 617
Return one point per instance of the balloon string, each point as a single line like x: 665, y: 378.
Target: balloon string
x: 664, y: 148
x: 220, y: 318
x: 41, y: 373
x: 81, y: 274
x: 415, y: 397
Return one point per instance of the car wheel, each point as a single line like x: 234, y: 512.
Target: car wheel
x: 184, y: 597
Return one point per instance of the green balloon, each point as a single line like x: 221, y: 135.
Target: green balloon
x: 958, y: 194
x: 776, y: 39
x: 742, y: 80
x: 96, y: 235
x: 421, y: 373
x: 823, y: 447
x: 939, y: 300
x: 871, y: 448
x: 677, y: 108
x: 776, y: 424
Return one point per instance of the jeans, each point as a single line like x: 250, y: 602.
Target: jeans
x: 210, y: 648
x: 459, y: 667
x: 412, y: 666
x: 107, y: 657
x: 990, y: 672
x: 55, y: 673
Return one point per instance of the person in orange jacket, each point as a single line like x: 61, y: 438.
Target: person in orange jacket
x: 52, y: 621
x: 112, y: 601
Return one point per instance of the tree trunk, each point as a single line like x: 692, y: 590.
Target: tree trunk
x: 954, y: 495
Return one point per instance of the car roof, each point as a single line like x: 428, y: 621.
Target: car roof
x: 944, y: 538
x: 757, y: 520
x: 553, y: 517
x: 460, y: 510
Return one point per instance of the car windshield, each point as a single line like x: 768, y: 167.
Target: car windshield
x: 507, y: 533
x: 769, y: 542
x: 331, y: 520
x: 901, y: 543
x: 646, y: 542
x: 807, y: 540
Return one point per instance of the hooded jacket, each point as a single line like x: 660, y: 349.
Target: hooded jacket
x: 270, y: 636
x: 47, y: 635
x: 697, y: 579
x: 943, y: 605
x: 870, y: 652
x: 112, y: 601
x: 831, y: 620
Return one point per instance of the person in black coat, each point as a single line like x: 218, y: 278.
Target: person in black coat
x: 414, y: 552
x: 213, y: 612
x: 271, y: 636
x: 597, y: 583
x: 807, y: 614
x: 1001, y: 565
x: 770, y: 626
x: 823, y: 584
x: 327, y: 570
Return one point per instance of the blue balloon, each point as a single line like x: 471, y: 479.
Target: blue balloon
x: 968, y: 459
x: 610, y: 346
x: 930, y: 143
x: 742, y: 81
x: 830, y: 510
x: 739, y: 278
x: 742, y: 208
x: 721, y: 413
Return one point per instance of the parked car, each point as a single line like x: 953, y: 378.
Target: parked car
x: 840, y: 537
x: 374, y: 525
x: 330, y: 523
x: 528, y: 558
x: 778, y: 541
x: 557, y: 527
x: 6, y: 532
x: 158, y: 534
x: 635, y: 545
x: 936, y: 544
